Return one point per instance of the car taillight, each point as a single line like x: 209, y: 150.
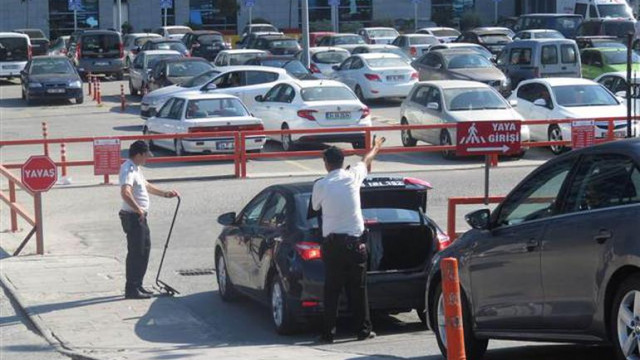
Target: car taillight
x: 372, y: 77
x: 365, y: 112
x: 79, y: 50
x: 187, y: 53
x: 310, y: 303
x: 414, y: 51
x: 29, y: 52
x: 309, y: 251
x: 63, y: 51
x: 443, y: 240
x: 315, y: 69
x: 121, y: 48
x: 307, y: 114
x: 415, y: 76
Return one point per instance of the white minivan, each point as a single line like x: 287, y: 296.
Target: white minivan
x: 15, y: 51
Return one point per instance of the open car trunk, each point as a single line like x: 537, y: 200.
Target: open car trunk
x: 398, y: 247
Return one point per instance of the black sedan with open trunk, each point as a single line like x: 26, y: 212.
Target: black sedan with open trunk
x: 270, y: 251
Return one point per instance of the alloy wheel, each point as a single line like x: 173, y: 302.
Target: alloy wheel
x: 277, y: 303
x: 629, y: 325
x: 221, y: 270
x: 555, y: 134
x: 441, y: 321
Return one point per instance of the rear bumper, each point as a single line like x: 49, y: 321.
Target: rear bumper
x: 93, y: 66
x: 221, y: 145
x: 376, y: 91
x: 331, y: 138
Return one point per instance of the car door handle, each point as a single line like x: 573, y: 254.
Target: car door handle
x: 603, y: 236
x: 531, y: 245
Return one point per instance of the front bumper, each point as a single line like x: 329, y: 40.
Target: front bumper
x: 44, y: 93
x: 221, y: 145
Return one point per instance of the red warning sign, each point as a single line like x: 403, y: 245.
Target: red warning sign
x: 488, y: 137
x: 39, y: 173
x: 583, y: 133
x: 106, y: 156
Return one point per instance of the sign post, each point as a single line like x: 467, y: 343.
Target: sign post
x: 249, y: 4
x: 488, y: 138
x: 415, y: 14
x: 582, y: 133
x: 165, y: 5
x: 106, y: 156
x: 495, y: 11
x: 38, y: 174
x: 75, y: 5
x: 305, y: 33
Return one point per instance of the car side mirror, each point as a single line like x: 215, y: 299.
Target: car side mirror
x: 513, y: 103
x: 259, y: 98
x: 540, y: 102
x: 227, y: 219
x: 479, y: 219
x: 621, y: 94
x: 336, y: 67
x: 433, y: 106
x: 211, y: 86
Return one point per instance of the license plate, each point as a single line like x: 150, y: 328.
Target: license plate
x: 226, y: 145
x: 56, y: 91
x: 338, y: 115
x: 10, y: 67
x: 102, y: 63
x: 395, y: 77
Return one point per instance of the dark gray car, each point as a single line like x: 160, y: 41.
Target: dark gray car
x: 558, y: 260
x: 99, y: 52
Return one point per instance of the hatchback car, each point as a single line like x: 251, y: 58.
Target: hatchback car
x: 493, y: 40
x: 99, y: 52
x: 443, y: 34
x: 378, y: 35
x: 133, y: 45
x: 167, y: 72
x: 39, y: 41
x: 139, y: 74
x: 271, y: 249
x: 277, y: 45
x: 166, y: 44
x: 345, y: 41
x: 414, y: 45
x: 461, y: 46
x: 616, y: 82
x: 50, y: 77
x: 172, y: 32
x: 15, y: 51
x: 322, y: 59
x: 205, y: 43
x: 598, y: 61
x: 381, y: 49
x: 556, y: 261
x: 237, y: 57
x: 59, y: 46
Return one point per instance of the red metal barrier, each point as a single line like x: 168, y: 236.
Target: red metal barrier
x: 453, y: 202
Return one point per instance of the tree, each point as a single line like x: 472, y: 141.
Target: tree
x: 228, y: 8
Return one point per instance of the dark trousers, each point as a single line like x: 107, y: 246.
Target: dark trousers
x: 345, y: 265
x: 138, y: 248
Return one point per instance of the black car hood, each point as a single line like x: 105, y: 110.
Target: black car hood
x: 45, y: 78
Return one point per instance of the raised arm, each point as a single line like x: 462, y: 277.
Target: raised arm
x: 367, y: 159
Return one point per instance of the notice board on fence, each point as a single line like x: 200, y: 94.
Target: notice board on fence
x: 106, y: 156
x: 582, y: 133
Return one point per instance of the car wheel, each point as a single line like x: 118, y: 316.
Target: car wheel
x: 422, y: 315
x: 286, y: 141
x: 360, y: 94
x: 79, y: 100
x: 625, y: 319
x: 179, y: 148
x: 120, y: 75
x: 474, y: 348
x: 555, y: 134
x: 150, y: 143
x: 281, y: 315
x: 132, y: 90
x: 22, y: 94
x: 445, y: 139
x: 407, y: 138
x: 225, y: 287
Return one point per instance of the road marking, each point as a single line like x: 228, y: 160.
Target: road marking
x: 299, y: 165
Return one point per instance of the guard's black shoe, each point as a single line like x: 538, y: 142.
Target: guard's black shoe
x: 366, y: 336
x: 136, y: 294
x: 145, y: 291
x: 325, y: 339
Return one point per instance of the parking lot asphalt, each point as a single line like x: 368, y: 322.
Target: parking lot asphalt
x: 82, y: 219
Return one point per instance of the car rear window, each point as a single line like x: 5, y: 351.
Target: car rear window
x: 468, y: 61
x: 423, y: 40
x: 177, y: 31
x: 210, y: 108
x: 283, y: 43
x: 14, y: 49
x: 151, y: 60
x: 327, y: 93
x: 330, y: 57
x: 241, y: 59
x: 386, y: 62
x: 549, y: 54
x: 520, y: 56
x: 200, y: 79
x: 445, y: 32
x: 34, y: 34
x: 142, y: 40
x: 210, y: 39
x: 263, y: 29
x: 583, y: 95
x: 494, y: 39
x: 619, y: 57
x: 187, y: 68
x: 170, y: 45
x: 382, y: 33
x: 100, y: 43
x: 346, y: 40
x: 618, y: 28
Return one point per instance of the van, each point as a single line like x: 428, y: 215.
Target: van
x: 567, y: 24
x: 619, y: 28
x: 528, y: 59
x: 15, y: 51
x: 99, y: 52
x: 594, y: 9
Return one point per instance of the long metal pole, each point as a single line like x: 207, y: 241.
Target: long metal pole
x: 334, y: 18
x: 415, y: 16
x: 250, y: 17
x: 305, y: 33
x: 37, y: 199
x: 75, y: 19
x: 495, y: 11
x: 165, y: 16
x: 629, y: 82
x: 119, y: 4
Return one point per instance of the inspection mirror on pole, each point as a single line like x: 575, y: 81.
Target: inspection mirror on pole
x: 75, y: 6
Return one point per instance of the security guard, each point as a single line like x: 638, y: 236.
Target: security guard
x: 343, y: 251
x: 134, y: 190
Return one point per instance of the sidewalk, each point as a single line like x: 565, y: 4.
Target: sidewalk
x: 77, y: 301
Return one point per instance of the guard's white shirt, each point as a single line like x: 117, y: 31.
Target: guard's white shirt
x: 338, y: 195
x: 131, y: 174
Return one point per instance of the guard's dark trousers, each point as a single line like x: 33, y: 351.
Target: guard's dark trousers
x: 345, y: 265
x: 138, y: 248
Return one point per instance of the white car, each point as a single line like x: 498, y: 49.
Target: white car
x: 443, y: 34
x: 567, y: 98
x: 245, y: 82
x: 237, y: 57
x: 193, y: 113
x: 374, y: 76
x: 378, y: 35
x: 173, y: 32
x: 381, y: 49
x: 414, y: 45
x: 538, y: 34
x: 616, y: 82
x: 452, y: 101
x: 312, y: 104
x: 322, y: 59
x: 462, y: 46
x: 133, y: 43
x: 142, y: 65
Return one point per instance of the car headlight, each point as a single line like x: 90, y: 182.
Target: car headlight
x: 75, y: 84
x: 35, y: 85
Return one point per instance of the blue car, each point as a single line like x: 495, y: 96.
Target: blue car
x: 51, y: 77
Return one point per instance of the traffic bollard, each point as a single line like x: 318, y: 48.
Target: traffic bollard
x: 122, y: 99
x: 452, y: 309
x: 494, y: 160
x: 95, y: 88
x: 89, y: 83
x: 45, y: 134
x: 63, y: 159
x: 99, y: 93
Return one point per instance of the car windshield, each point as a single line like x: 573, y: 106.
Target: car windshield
x: 210, y: 39
x: 423, y: 40
x: 346, y: 40
x: 327, y: 93
x: 473, y: 99
x: 548, y: 35
x: 614, y: 11
x: 618, y: 28
x: 478, y: 49
x: 619, y: 57
x: 241, y: 59
x: 382, y: 33
x: 568, y: 24
x: 151, y: 60
x: 295, y: 67
x: 187, y: 68
x: 385, y: 62
x: 264, y: 28
x: 13, y: 49
x: 391, y: 50
x: 51, y: 66
x: 177, y: 31
x: 468, y: 61
x: 330, y: 57
x: 170, y: 45
x: 100, y: 42
x: 200, y: 79
x: 212, y: 108
x: 583, y: 95
x: 445, y: 32
x: 34, y: 34
x: 494, y: 39
x: 142, y: 40
x: 289, y: 43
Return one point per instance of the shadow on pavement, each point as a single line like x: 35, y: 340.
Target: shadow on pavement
x: 41, y: 309
x: 131, y: 128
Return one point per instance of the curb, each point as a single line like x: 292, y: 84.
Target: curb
x: 39, y: 326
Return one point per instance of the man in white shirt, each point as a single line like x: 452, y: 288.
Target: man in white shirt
x: 343, y: 251
x: 134, y: 190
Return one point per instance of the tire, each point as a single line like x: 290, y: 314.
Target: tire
x: 132, y: 90
x: 281, y: 315
x: 474, y: 348
x: 79, y: 100
x: 445, y: 139
x: 625, y: 327
x: 405, y: 135
x: 179, y: 148
x: 360, y: 94
x: 423, y: 316
x: 286, y: 141
x: 555, y: 134
x: 225, y: 287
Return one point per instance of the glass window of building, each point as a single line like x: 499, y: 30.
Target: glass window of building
x: 208, y: 15
x: 171, y: 14
x: 61, y: 18
x: 455, y: 7
x: 360, y: 11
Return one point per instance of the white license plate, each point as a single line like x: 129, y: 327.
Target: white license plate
x: 102, y: 63
x: 338, y: 115
x: 10, y: 67
x: 56, y: 91
x: 226, y: 145
x: 395, y: 77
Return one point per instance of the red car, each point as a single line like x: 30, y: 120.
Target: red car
x: 315, y: 37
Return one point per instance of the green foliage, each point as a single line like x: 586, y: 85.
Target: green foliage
x: 127, y: 28
x: 443, y: 17
x: 470, y: 20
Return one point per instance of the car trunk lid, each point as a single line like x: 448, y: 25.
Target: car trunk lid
x: 335, y: 113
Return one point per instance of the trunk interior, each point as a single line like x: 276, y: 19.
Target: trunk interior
x: 398, y: 247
